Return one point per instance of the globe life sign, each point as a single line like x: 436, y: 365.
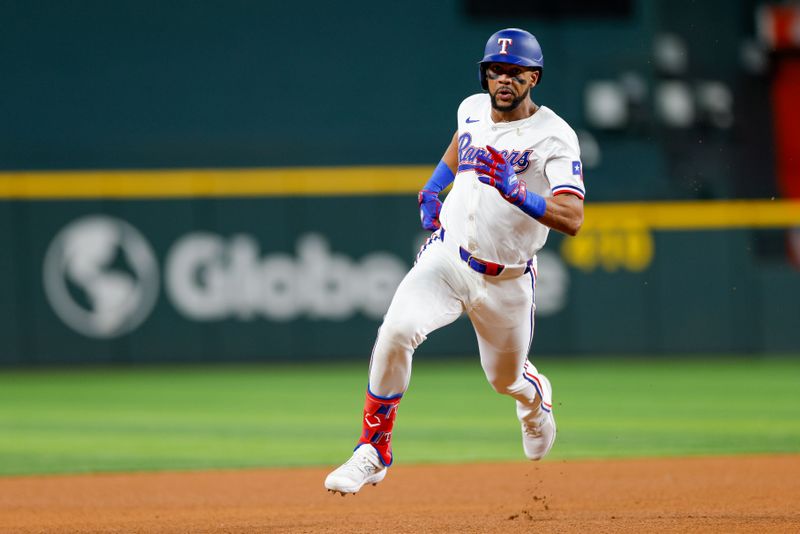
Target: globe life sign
x: 103, y: 279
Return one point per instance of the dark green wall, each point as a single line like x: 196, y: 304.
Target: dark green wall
x: 226, y: 84
x: 144, y: 84
x: 702, y: 291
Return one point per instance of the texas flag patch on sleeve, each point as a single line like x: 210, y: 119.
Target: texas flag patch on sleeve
x: 576, y: 168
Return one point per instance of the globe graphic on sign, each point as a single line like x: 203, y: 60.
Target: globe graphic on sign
x: 101, y: 276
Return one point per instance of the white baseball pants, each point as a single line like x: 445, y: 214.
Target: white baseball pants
x: 434, y: 293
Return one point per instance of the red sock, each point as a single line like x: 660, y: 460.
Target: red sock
x: 379, y: 414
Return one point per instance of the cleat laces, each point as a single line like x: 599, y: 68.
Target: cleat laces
x: 358, y: 466
x: 532, y: 431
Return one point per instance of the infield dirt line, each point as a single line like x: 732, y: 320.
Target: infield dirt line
x: 714, y: 494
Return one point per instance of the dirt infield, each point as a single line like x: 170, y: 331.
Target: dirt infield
x: 732, y: 494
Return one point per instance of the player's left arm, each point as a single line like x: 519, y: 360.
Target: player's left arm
x: 564, y: 172
x: 563, y: 213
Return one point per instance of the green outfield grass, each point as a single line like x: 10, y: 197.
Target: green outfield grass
x: 143, y: 418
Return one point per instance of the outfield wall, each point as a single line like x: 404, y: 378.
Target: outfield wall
x: 293, y: 142
x: 233, y: 266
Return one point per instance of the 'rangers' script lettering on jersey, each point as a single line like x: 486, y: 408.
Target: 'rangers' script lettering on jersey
x: 469, y: 154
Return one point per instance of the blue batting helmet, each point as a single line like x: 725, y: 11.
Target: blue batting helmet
x: 513, y: 46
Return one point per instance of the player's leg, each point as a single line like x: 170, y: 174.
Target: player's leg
x: 430, y: 296
x: 427, y: 299
x: 504, y: 326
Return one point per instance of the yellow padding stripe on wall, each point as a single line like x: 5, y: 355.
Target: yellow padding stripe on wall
x: 193, y: 183
x: 365, y: 181
x: 694, y: 214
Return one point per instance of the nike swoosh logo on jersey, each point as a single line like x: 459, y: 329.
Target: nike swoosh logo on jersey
x: 469, y: 121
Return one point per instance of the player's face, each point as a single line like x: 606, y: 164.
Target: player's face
x: 509, y: 85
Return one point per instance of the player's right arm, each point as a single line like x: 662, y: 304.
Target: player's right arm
x: 428, y: 198
x: 450, y: 157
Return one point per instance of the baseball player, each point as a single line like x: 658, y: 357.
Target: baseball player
x: 516, y: 172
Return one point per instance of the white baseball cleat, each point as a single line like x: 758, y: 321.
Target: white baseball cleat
x: 364, y: 467
x: 538, y: 423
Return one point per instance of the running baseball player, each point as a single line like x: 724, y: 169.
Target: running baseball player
x: 516, y: 173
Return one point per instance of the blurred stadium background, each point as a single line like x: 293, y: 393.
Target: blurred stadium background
x: 225, y: 183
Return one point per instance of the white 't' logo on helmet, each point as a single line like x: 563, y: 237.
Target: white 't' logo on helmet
x: 504, y: 43
x: 101, y: 276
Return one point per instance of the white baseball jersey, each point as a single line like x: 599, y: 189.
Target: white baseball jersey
x: 544, y: 152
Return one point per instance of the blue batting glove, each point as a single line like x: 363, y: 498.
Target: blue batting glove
x: 429, y: 208
x: 496, y: 172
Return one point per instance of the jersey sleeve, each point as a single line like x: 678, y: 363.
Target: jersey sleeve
x: 461, y: 114
x: 563, y: 169
x: 470, y: 106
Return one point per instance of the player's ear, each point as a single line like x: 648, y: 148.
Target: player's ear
x: 534, y: 78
